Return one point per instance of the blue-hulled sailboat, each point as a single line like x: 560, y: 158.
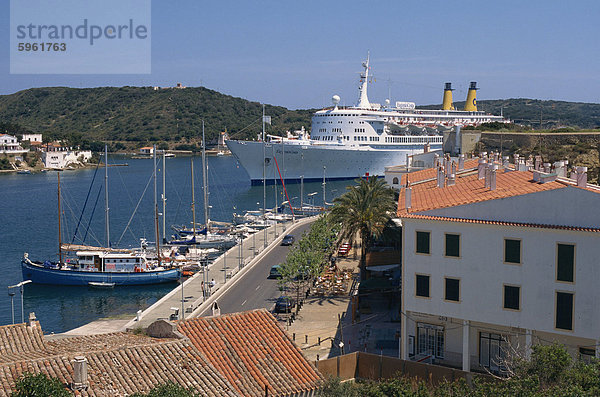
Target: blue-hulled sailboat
x: 94, y: 266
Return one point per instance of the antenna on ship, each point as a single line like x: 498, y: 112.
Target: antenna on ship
x: 363, y: 99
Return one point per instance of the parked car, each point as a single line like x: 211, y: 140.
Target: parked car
x: 275, y: 273
x: 288, y: 240
x: 284, y: 304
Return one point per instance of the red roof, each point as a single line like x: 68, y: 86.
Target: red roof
x: 251, y: 351
x: 469, y: 189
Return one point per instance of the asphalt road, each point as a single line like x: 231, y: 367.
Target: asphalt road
x: 255, y: 290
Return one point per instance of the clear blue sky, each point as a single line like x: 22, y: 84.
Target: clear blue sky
x: 298, y: 53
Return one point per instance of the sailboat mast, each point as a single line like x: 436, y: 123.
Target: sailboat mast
x: 156, y: 207
x: 193, y: 201
x: 59, y: 224
x: 205, y: 181
x: 106, y: 217
x: 324, y: 201
x: 164, y: 200
x: 264, y: 176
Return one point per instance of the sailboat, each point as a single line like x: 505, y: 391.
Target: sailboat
x: 207, y: 239
x: 98, y: 266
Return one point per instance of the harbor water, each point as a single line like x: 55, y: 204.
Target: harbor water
x: 28, y: 215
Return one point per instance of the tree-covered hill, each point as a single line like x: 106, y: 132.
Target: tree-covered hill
x: 535, y: 112
x: 141, y: 114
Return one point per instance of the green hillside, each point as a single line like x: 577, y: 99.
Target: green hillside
x: 141, y: 114
x: 529, y: 112
x: 130, y: 117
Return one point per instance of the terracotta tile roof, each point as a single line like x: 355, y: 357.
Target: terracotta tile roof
x: 20, y: 340
x: 119, y: 364
x: 430, y: 173
x: 251, y: 351
x: 469, y: 189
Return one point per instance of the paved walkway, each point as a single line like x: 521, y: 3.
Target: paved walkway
x: 221, y: 271
x: 373, y: 331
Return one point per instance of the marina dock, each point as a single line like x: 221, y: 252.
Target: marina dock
x: 225, y: 271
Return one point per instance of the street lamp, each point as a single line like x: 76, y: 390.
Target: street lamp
x: 20, y: 285
x: 12, y: 304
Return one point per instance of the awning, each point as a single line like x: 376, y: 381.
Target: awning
x: 382, y: 268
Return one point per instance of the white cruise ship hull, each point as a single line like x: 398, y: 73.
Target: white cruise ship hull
x: 313, y: 161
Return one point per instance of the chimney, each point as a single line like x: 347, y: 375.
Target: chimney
x: 216, y: 311
x: 582, y: 176
x: 426, y: 147
x: 461, y: 162
x: 453, y: 167
x: 481, y: 168
x: 547, y: 167
x: 457, y: 140
x: 80, y: 374
x: 31, y: 321
x: 441, y: 176
x: 471, y: 102
x: 436, y: 160
x: 505, y: 163
x: 447, y: 100
x: 487, y: 171
x: 516, y: 159
x: 538, y: 163
x: 559, y: 168
x: 452, y: 179
x: 408, y: 198
x: 492, y: 172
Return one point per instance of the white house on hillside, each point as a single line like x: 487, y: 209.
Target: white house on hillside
x: 10, y: 145
x: 494, y: 257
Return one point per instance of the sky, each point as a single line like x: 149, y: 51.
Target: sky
x: 298, y: 54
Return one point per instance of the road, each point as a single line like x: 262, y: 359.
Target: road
x: 255, y: 290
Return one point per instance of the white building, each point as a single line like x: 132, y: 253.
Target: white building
x: 32, y: 137
x: 10, y: 145
x: 394, y: 175
x: 66, y: 158
x: 493, y: 258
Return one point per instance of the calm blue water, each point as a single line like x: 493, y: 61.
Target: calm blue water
x: 28, y: 223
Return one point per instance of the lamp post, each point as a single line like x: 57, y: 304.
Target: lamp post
x: 12, y: 304
x: 20, y: 285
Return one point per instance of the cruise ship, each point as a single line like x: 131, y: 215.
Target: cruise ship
x: 350, y: 142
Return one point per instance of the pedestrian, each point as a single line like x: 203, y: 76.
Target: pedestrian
x: 212, y: 283
x: 202, y: 288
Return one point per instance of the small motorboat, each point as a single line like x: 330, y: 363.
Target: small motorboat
x: 101, y: 284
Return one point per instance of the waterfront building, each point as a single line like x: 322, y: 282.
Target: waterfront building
x: 238, y: 354
x: 147, y: 150
x: 498, y: 256
x: 10, y: 145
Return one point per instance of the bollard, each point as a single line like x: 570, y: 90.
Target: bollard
x: 294, y: 337
x: 305, y: 338
x: 319, y: 341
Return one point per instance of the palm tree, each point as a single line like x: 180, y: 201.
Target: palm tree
x: 364, y: 210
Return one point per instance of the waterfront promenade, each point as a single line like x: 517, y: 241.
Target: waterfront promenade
x: 226, y: 272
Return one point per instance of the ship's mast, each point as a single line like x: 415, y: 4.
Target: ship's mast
x: 264, y: 177
x: 106, y: 218
x: 193, y: 201
x: 205, y: 182
x: 164, y: 200
x: 363, y: 100
x: 59, y: 224
x: 156, y: 209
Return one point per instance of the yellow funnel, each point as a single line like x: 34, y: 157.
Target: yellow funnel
x: 471, y: 104
x: 447, y: 102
